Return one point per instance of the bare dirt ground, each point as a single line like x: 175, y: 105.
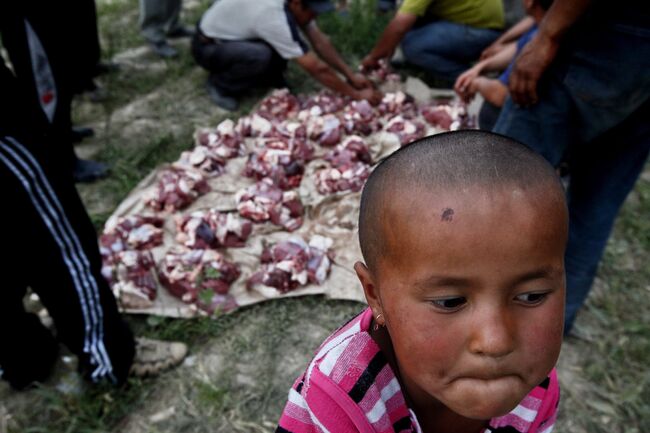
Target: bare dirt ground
x: 241, y: 365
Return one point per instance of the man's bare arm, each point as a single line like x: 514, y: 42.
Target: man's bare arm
x: 326, y: 51
x: 539, y: 53
x: 497, y: 62
x: 328, y: 77
x: 492, y: 90
x: 511, y: 35
x: 393, y: 34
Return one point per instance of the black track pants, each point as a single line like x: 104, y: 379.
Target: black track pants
x: 50, y: 245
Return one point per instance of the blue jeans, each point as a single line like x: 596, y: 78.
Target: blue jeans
x: 446, y: 49
x: 594, y: 109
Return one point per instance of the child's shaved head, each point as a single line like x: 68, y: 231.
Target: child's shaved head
x: 453, y: 161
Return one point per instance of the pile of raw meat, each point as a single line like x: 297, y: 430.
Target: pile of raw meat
x: 323, y: 140
x: 200, y: 277
x: 294, y: 263
x: 128, y: 263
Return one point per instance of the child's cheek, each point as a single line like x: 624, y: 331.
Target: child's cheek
x: 545, y: 333
x: 422, y: 334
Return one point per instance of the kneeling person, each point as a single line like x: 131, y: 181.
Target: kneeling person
x: 246, y: 43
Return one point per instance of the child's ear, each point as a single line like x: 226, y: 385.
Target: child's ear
x: 369, y: 288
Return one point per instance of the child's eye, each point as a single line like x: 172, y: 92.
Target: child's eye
x: 449, y: 304
x: 531, y: 298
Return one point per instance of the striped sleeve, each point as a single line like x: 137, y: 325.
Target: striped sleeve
x: 319, y: 413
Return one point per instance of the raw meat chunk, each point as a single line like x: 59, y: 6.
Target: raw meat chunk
x: 347, y: 177
x: 133, y: 278
x: 204, y: 159
x: 177, y: 188
x: 406, y: 129
x: 290, y: 264
x: 212, y: 229
x: 225, y: 140
x: 325, y: 102
x: 277, y: 165
x: 266, y: 202
x: 448, y: 115
x: 279, y: 105
x: 192, y: 275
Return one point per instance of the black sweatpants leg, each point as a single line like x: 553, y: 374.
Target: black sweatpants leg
x: 52, y: 248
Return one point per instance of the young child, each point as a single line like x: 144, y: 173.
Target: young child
x: 495, y: 90
x: 463, y: 238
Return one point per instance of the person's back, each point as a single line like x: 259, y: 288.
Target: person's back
x: 240, y: 20
x: 245, y: 44
x: 486, y: 14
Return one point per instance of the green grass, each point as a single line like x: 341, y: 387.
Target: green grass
x: 355, y: 31
x: 209, y: 396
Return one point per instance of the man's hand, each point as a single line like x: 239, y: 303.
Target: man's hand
x: 358, y: 81
x: 534, y: 59
x: 370, y: 94
x: 465, y: 79
x: 469, y: 91
x: 390, y: 38
x: 370, y: 63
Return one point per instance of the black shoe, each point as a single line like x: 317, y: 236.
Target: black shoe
x: 163, y: 49
x: 102, y: 68
x: 78, y: 133
x: 220, y: 99
x: 30, y: 356
x: 181, y: 32
x: 86, y: 170
x: 98, y: 95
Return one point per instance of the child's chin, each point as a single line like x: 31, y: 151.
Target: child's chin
x: 485, y: 407
x: 488, y: 411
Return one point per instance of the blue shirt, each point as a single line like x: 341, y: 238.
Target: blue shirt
x: 523, y: 40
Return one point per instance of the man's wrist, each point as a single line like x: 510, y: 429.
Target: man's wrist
x: 550, y: 34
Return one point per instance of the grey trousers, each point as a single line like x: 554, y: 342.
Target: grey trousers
x: 158, y: 18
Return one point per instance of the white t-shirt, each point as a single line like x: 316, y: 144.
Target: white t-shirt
x: 268, y: 20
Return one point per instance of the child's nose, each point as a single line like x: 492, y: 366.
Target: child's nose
x: 492, y: 333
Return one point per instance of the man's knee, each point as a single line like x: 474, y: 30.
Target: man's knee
x: 258, y: 58
x: 412, y: 47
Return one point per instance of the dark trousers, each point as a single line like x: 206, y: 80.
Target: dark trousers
x: 488, y: 115
x: 236, y: 66
x: 594, y: 107
x: 53, y: 53
x: 50, y: 245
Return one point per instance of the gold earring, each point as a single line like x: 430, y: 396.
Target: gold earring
x: 377, y: 326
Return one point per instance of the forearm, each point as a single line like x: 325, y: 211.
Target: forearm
x: 393, y: 35
x: 512, y: 34
x: 326, y: 51
x: 322, y: 73
x: 560, y: 17
x: 500, y: 60
x: 492, y: 90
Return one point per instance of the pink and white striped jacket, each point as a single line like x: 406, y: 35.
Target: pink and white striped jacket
x: 349, y: 387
